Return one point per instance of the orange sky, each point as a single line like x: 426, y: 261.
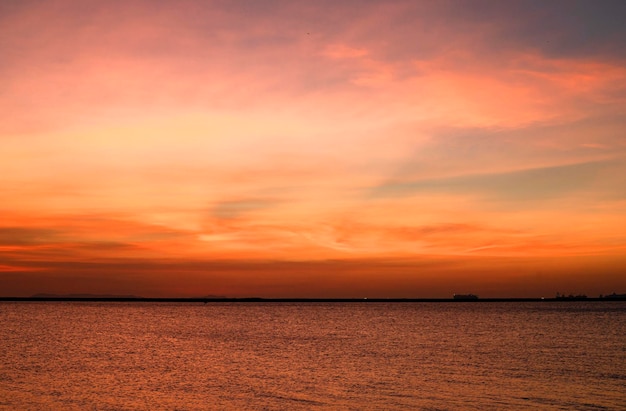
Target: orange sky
x: 288, y: 149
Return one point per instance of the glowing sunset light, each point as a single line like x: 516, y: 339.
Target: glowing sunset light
x: 287, y: 149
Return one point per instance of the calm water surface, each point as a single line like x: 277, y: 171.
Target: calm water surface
x: 278, y: 356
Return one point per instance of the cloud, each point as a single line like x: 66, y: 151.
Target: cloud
x: 94, y: 61
x: 341, y: 51
x: 85, y: 237
x: 571, y: 29
x: 27, y: 236
x: 527, y: 185
x: 236, y: 208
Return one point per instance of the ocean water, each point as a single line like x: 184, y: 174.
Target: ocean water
x: 313, y: 356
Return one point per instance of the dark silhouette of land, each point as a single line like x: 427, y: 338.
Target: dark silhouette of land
x: 465, y: 297
x: 134, y: 299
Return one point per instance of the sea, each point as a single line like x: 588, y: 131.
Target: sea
x: 566, y: 355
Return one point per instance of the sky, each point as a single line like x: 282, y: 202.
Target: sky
x: 312, y: 148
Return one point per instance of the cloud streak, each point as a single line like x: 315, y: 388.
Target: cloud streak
x: 525, y: 186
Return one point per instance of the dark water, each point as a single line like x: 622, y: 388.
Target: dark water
x: 428, y: 356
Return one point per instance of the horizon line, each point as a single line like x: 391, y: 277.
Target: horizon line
x: 614, y: 297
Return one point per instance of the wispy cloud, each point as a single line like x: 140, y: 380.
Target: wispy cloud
x: 236, y: 208
x: 26, y: 236
x: 525, y: 186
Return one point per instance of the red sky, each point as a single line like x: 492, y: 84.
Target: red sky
x: 312, y: 149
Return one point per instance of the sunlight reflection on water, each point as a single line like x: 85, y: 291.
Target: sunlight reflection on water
x: 279, y: 356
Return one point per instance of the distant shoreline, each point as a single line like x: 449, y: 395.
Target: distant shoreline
x: 294, y: 300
